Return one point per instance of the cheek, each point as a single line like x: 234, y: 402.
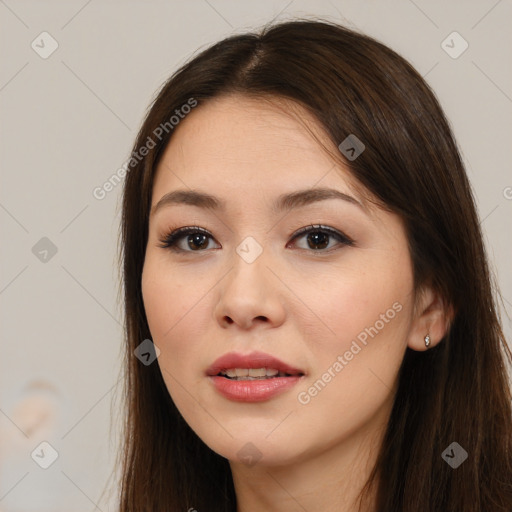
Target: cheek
x: 358, y: 339
x: 352, y: 302
x: 167, y: 296
x: 177, y: 311
x: 355, y: 369
x: 173, y: 307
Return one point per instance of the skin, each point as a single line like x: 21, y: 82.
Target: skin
x: 299, y: 304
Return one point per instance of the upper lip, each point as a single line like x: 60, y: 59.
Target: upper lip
x: 252, y: 360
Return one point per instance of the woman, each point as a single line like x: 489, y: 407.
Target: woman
x: 302, y: 252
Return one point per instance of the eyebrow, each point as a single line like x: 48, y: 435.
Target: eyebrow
x: 284, y: 202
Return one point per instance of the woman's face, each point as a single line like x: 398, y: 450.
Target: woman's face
x: 337, y: 309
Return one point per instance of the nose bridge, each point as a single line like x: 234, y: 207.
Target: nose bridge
x: 247, y: 293
x: 250, y: 249
x: 249, y: 263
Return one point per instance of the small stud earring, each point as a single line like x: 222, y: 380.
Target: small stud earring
x: 427, y: 340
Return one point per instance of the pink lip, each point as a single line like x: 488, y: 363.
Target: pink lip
x: 252, y: 390
x: 252, y: 360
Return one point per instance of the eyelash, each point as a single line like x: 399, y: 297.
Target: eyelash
x: 170, y: 240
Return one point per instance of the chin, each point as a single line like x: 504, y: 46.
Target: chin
x: 256, y: 450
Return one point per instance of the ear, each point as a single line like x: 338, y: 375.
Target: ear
x: 432, y: 316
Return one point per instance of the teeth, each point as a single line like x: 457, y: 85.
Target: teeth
x: 252, y: 373
x: 257, y: 372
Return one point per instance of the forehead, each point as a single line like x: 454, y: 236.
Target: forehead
x: 235, y: 143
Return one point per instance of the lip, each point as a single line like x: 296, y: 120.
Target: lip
x: 252, y: 390
x: 252, y: 360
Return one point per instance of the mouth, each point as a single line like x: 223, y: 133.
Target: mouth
x: 256, y: 373
x: 253, y: 366
x: 254, y: 377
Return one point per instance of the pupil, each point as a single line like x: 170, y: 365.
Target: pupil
x: 318, y: 239
x: 195, y: 239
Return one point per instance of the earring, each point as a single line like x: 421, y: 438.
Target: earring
x: 427, y: 340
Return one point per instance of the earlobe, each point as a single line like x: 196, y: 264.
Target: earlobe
x: 431, y: 321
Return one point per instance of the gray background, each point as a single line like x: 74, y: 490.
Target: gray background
x: 68, y: 122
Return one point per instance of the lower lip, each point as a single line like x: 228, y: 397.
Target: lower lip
x: 253, y: 390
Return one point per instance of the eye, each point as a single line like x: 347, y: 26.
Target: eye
x: 317, y: 237
x: 198, y: 238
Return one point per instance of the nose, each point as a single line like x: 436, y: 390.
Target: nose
x: 250, y: 295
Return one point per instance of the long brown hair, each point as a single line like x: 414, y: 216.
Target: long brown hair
x: 458, y: 391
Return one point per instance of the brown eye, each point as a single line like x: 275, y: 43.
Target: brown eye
x: 318, y: 238
x: 196, y: 239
